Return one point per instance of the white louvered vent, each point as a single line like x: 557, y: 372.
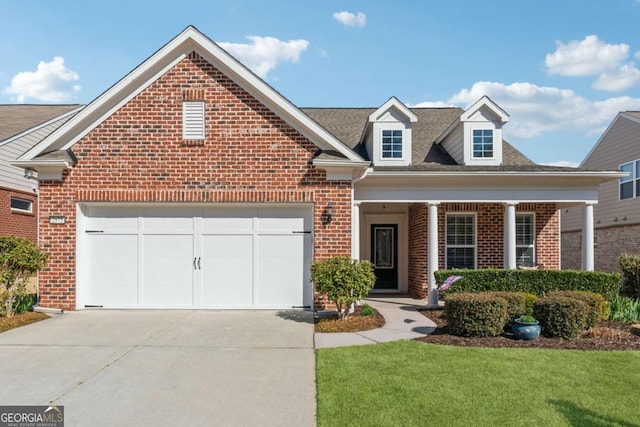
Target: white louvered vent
x: 193, y: 119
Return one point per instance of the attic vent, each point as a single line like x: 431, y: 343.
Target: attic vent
x: 193, y: 119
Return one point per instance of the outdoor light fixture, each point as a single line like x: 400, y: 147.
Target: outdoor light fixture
x: 329, y: 211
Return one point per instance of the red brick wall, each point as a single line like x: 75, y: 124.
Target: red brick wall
x: 418, y: 261
x: 14, y: 223
x: 611, y: 242
x: 138, y: 154
x: 490, y: 232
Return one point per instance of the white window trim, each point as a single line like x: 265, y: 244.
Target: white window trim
x: 475, y: 237
x: 402, y: 143
x: 189, y: 114
x: 493, y: 144
x: 30, y: 210
x: 533, y: 230
x: 632, y: 178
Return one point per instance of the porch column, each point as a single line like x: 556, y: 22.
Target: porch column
x: 587, y: 238
x: 510, y: 220
x: 355, y: 230
x: 432, y: 246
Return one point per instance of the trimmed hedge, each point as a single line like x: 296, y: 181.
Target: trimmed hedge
x: 596, y: 304
x: 476, y: 314
x: 537, y: 282
x: 630, y: 267
x: 562, y: 317
x: 516, y: 304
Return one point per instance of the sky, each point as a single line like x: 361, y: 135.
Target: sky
x: 562, y: 69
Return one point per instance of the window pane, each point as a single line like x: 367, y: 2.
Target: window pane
x: 637, y: 168
x: 524, y: 257
x: 482, y: 143
x: 626, y: 190
x: 460, y: 257
x: 392, y: 144
x: 524, y: 229
x: 21, y: 204
x: 627, y: 167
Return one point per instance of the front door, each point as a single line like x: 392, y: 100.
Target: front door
x: 384, y: 255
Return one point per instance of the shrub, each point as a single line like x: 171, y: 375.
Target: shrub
x: 476, y: 314
x: 19, y: 259
x: 537, y: 282
x: 344, y: 280
x: 630, y: 267
x: 596, y: 304
x: 529, y: 300
x: 516, y: 304
x: 367, y: 310
x: 24, y: 303
x: 625, y: 310
x: 527, y: 319
x: 561, y: 316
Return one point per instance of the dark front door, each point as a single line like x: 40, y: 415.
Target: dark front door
x: 384, y: 255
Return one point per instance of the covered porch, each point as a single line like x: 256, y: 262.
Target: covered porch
x: 409, y: 229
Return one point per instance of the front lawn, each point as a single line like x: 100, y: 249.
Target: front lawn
x: 409, y: 383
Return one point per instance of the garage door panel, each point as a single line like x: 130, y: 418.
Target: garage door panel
x: 167, y: 270
x: 227, y: 270
x: 167, y: 220
x: 113, y: 270
x: 228, y: 221
x: 280, y: 270
x: 112, y: 218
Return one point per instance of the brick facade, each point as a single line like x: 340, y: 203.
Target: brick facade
x: 249, y: 155
x: 611, y: 243
x: 418, y: 263
x: 19, y: 224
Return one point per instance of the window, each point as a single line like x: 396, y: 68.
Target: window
x: 21, y: 205
x: 391, y: 144
x: 630, y: 185
x: 525, y: 240
x: 482, y: 143
x: 461, y: 241
x: 193, y: 119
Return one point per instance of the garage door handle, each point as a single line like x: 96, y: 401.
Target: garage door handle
x: 94, y: 231
x: 194, y: 263
x: 199, y: 264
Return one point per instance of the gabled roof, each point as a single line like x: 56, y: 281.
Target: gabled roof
x: 633, y: 116
x: 16, y: 119
x: 486, y: 103
x: 160, y: 62
x: 393, y: 103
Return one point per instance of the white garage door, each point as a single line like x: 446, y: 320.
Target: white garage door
x: 150, y: 256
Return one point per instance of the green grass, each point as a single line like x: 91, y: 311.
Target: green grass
x: 409, y: 383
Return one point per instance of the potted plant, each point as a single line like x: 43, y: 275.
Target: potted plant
x: 526, y: 328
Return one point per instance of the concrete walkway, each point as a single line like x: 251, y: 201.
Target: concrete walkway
x: 404, y: 322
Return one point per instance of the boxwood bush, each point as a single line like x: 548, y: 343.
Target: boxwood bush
x: 630, y: 267
x: 476, y: 314
x: 537, y: 282
x: 516, y: 304
x: 560, y: 316
x: 597, y: 307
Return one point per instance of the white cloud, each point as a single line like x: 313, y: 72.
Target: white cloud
x: 536, y: 109
x: 349, y: 19
x: 51, y: 82
x: 590, y: 56
x: 563, y: 163
x: 617, y: 80
x: 264, y: 53
x: 432, y: 104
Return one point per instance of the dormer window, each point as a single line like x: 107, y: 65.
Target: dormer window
x: 391, y: 144
x: 482, y: 143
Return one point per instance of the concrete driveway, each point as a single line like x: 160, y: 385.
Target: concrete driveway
x: 162, y: 367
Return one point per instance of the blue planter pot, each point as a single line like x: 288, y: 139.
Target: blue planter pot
x: 526, y: 331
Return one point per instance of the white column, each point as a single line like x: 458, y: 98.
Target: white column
x: 510, y: 219
x: 355, y: 230
x: 432, y: 248
x: 587, y: 238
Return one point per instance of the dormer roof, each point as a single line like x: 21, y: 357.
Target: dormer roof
x: 393, y: 104
x: 485, y: 103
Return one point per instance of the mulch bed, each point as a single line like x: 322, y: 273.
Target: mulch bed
x: 355, y: 322
x: 606, y: 336
x: 18, y: 320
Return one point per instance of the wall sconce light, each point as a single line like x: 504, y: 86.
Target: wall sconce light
x: 329, y: 211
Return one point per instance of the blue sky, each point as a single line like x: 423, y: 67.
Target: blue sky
x: 561, y: 69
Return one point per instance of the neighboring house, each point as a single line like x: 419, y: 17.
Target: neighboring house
x: 192, y: 183
x: 617, y: 214
x: 21, y: 127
